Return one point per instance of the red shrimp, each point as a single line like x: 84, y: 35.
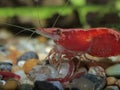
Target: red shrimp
x: 99, y: 42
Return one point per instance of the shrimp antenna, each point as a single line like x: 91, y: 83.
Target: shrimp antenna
x: 37, y: 6
x: 24, y: 29
x: 59, y: 15
x: 38, y: 16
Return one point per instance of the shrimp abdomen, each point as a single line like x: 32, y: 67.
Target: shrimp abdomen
x: 105, y: 45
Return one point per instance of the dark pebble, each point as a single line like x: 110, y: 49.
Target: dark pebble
x: 27, y: 56
x: 47, y: 62
x: 26, y: 87
x: 111, y: 88
x: 5, y: 66
x: 57, y: 84
x: 89, y: 82
x: 98, y: 81
x: 3, y: 50
x: 43, y: 85
x: 74, y: 88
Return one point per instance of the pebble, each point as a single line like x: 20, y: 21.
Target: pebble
x: 118, y: 83
x: 99, y: 81
x: 11, y: 84
x: 3, y: 50
x: 42, y: 72
x: 1, y: 77
x: 111, y: 88
x: 57, y: 84
x: 26, y: 87
x: 22, y: 74
x: 5, y: 66
x: 83, y: 84
x: 111, y: 80
x: 89, y: 82
x: 113, y: 70
x: 16, y: 68
x: 2, y: 82
x: 71, y: 88
x: 43, y: 85
x: 29, y: 64
x: 97, y: 70
x: 28, y: 55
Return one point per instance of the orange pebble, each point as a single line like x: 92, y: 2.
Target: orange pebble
x: 13, y: 56
x: 29, y: 64
x: 42, y: 39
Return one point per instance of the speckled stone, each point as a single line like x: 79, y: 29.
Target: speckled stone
x: 99, y: 81
x: 5, y: 66
x: 83, y: 84
x: 89, y: 82
x: 26, y: 87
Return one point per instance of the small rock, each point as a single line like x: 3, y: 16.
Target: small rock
x: 43, y: 85
x: 3, y: 50
x: 118, y: 83
x: 5, y: 66
x: 113, y: 70
x: 16, y: 68
x: 26, y: 87
x: 42, y: 72
x: 22, y: 74
x: 28, y: 55
x: 13, y: 55
x: 83, y: 84
x: 97, y: 70
x: 111, y: 80
x: 2, y: 82
x: 11, y: 84
x: 74, y: 89
x: 99, y: 81
x: 111, y: 88
x: 29, y: 64
x: 89, y: 82
x: 1, y: 77
x: 57, y: 84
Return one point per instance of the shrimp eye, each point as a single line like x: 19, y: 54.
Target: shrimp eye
x: 58, y: 31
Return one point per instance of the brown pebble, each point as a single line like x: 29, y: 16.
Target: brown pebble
x: 42, y: 39
x: 111, y: 80
x: 118, y: 83
x: 16, y: 68
x: 13, y: 55
x: 11, y: 84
